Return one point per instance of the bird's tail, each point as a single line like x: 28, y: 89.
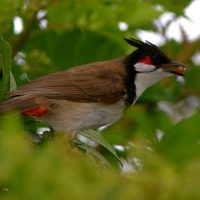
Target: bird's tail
x: 20, y: 103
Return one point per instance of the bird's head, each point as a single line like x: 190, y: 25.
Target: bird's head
x: 151, y: 65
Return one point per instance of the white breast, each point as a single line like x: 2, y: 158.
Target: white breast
x: 73, y: 116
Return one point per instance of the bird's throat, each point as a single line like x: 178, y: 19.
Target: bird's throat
x: 145, y: 80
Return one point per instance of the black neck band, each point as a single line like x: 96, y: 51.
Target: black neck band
x: 130, y: 80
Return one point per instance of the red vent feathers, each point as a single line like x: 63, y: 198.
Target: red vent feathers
x: 38, y: 111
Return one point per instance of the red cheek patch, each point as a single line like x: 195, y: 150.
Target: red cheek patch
x: 146, y: 60
x: 36, y: 112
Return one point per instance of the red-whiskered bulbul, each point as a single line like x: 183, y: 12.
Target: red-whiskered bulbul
x: 92, y: 95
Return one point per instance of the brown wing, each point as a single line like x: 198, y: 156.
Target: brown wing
x: 98, y: 82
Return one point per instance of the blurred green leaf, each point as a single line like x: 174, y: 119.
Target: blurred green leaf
x: 139, y: 121
x: 95, y: 14
x: 169, y: 90
x: 181, y: 142
x: 5, y: 65
x: 55, y: 170
x: 192, y: 81
x: 169, y: 5
x: 49, y: 51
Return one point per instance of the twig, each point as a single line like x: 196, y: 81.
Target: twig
x: 188, y: 52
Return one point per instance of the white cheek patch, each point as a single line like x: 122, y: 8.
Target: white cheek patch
x: 142, y: 67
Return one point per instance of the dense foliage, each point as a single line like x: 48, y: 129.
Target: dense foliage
x: 157, y: 141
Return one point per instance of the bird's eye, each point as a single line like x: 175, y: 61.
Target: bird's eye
x: 146, y: 60
x: 156, y: 60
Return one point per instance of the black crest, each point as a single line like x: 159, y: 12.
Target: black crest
x: 140, y: 45
x: 147, y: 48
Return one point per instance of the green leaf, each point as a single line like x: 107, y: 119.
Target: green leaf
x: 5, y: 64
x: 13, y: 85
x: 181, y: 142
x: 93, y: 152
x: 97, y: 137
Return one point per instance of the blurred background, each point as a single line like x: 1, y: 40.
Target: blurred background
x: 157, y: 140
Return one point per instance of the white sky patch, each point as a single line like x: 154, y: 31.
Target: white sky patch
x: 123, y: 26
x: 43, y: 23
x: 190, y: 25
x: 20, y: 58
x: 18, y: 25
x: 151, y: 36
x: 41, y: 14
x: 174, y: 31
x: 158, y: 7
x: 164, y: 19
x: 159, y: 134
x: 196, y: 58
x: 192, y: 11
x: 180, y: 79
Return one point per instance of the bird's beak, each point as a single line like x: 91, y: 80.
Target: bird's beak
x: 175, y: 68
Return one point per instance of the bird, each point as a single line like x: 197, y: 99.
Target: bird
x: 93, y: 95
